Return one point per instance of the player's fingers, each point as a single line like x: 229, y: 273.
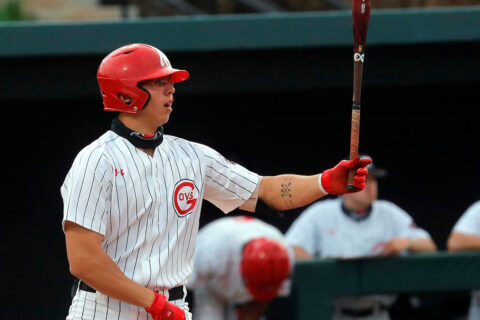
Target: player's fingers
x: 350, y: 164
x: 359, y: 186
x: 359, y: 182
x: 359, y: 179
x: 362, y: 171
x: 364, y: 162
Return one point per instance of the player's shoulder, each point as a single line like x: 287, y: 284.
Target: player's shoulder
x: 187, y: 145
x: 168, y: 138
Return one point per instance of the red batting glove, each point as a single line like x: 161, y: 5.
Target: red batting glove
x: 334, y: 180
x: 161, y: 309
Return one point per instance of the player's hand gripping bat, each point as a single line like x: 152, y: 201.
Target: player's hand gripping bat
x: 360, y: 16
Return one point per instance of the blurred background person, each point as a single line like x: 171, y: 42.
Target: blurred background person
x: 466, y: 236
x: 240, y: 264
x: 355, y: 226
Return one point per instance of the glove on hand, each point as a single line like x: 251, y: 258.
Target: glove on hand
x: 335, y: 180
x: 161, y: 309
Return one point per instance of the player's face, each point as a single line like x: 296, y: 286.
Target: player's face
x: 363, y: 199
x: 157, y: 111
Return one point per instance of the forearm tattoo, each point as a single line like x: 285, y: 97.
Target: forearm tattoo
x: 286, y: 192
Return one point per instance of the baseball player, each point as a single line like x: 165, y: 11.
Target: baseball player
x: 466, y: 236
x: 240, y: 264
x: 353, y: 226
x: 132, y: 198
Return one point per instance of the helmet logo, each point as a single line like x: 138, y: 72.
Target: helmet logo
x: 163, y: 59
x: 185, y: 197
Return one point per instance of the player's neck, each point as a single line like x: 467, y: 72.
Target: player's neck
x: 135, y: 124
x: 145, y: 142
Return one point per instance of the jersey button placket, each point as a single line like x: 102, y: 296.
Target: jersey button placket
x: 156, y: 183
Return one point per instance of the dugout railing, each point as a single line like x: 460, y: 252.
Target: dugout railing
x: 316, y: 282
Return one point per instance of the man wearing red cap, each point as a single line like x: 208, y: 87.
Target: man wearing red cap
x: 240, y: 264
x: 132, y: 198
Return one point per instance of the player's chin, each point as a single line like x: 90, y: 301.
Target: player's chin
x: 163, y: 118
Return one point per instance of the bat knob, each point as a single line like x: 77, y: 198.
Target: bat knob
x: 351, y: 187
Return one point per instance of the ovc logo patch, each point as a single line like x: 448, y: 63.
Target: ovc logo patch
x: 185, y: 197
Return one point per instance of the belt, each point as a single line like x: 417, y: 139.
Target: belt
x: 173, y: 294
x: 361, y: 312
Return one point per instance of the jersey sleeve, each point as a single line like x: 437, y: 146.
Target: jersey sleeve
x: 469, y: 222
x: 304, y: 231
x: 86, y: 191
x: 405, y: 226
x: 228, y: 185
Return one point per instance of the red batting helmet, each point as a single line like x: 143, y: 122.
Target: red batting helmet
x: 122, y: 70
x: 265, y: 265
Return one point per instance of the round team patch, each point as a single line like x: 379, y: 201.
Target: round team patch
x: 185, y: 197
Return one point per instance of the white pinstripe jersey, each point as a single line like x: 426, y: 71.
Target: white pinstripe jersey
x: 148, y: 208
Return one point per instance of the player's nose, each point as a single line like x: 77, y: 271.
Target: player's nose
x: 170, y: 88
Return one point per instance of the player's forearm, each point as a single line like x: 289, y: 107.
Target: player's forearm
x: 100, y: 272
x: 461, y: 241
x: 289, y: 191
x: 92, y: 265
x: 422, y: 245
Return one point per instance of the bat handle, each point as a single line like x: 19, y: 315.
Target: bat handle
x: 354, y: 141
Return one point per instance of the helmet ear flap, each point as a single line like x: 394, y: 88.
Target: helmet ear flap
x: 114, y: 91
x: 126, y: 99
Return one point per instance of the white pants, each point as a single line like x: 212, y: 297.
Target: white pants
x: 92, y: 306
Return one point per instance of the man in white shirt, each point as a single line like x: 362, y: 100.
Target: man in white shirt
x: 354, y: 226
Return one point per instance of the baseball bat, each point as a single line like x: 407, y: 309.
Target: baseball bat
x: 360, y: 17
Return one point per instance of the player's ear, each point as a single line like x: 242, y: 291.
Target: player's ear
x: 128, y: 100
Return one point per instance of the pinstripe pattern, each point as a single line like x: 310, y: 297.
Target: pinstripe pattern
x: 148, y: 208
